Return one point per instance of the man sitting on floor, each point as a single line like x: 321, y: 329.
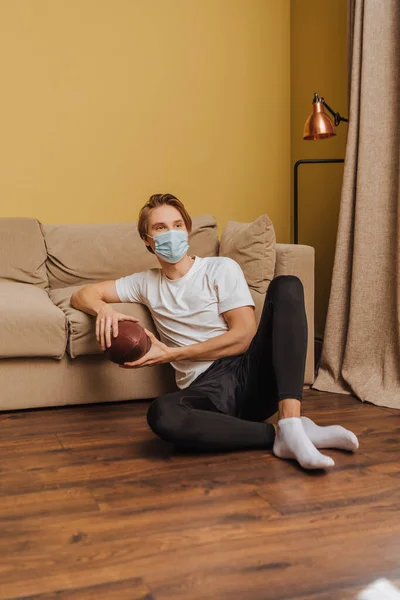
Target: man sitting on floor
x: 231, y: 375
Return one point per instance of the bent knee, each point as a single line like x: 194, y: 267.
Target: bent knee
x: 288, y: 287
x: 166, y: 418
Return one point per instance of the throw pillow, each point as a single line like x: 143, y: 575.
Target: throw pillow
x: 252, y: 246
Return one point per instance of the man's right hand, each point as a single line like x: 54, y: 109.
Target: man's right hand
x: 107, y: 321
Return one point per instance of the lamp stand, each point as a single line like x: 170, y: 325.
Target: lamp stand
x: 295, y: 196
x: 317, y: 340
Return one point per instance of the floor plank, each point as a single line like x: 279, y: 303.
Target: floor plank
x: 129, y: 589
x: 92, y: 505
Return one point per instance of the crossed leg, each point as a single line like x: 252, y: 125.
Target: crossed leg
x: 270, y: 377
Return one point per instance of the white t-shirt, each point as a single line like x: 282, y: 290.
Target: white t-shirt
x: 189, y: 310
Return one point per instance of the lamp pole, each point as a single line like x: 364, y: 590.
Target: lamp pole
x: 295, y: 195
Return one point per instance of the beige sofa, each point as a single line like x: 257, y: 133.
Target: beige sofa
x: 49, y: 355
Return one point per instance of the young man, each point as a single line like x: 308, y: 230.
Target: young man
x: 231, y: 375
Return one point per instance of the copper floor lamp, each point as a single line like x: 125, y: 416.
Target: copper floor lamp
x: 318, y: 127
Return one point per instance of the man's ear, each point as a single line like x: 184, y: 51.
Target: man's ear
x: 148, y: 244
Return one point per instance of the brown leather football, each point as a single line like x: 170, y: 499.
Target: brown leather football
x: 131, y: 343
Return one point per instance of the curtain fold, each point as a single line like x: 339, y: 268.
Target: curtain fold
x: 361, y: 350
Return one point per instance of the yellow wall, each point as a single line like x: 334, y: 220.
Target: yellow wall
x: 319, y: 64
x: 105, y: 102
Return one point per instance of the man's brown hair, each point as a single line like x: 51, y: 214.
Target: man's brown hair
x: 159, y: 200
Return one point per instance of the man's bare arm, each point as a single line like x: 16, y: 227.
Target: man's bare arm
x: 242, y: 327
x: 94, y: 300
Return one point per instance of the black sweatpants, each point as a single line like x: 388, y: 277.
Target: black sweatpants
x: 226, y: 406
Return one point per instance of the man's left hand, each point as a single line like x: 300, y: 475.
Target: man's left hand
x: 158, y: 354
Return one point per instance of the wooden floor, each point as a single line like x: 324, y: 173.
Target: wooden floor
x: 93, y: 506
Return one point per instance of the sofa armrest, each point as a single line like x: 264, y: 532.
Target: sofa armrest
x: 299, y: 260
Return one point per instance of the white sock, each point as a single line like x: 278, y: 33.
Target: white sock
x: 292, y: 442
x: 334, y: 436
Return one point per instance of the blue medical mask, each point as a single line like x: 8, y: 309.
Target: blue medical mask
x: 171, y: 245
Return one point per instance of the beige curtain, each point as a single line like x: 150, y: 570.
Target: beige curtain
x: 361, y: 351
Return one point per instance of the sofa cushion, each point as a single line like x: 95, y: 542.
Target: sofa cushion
x: 30, y: 324
x: 252, y: 245
x: 22, y: 252
x: 82, y: 327
x: 203, y: 240
x: 88, y: 253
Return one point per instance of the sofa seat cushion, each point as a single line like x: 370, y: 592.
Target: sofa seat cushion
x: 30, y: 324
x: 82, y: 327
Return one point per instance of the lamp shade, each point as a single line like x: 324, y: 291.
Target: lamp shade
x: 318, y: 125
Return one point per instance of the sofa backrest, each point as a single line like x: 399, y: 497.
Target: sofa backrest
x: 22, y: 252
x: 88, y: 253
